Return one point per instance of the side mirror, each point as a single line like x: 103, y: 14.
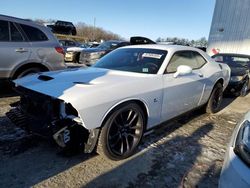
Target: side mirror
x: 183, y: 70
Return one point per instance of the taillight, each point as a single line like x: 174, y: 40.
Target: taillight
x: 59, y: 50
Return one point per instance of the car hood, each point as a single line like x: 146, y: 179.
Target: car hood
x: 238, y: 71
x: 72, y: 84
x: 92, y: 50
x: 75, y: 49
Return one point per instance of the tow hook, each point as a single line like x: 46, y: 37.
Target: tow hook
x: 74, y: 137
x: 62, y: 137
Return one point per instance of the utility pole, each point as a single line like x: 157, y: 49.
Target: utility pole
x: 94, y: 29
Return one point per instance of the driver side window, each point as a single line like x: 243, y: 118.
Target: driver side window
x: 189, y: 58
x: 180, y: 58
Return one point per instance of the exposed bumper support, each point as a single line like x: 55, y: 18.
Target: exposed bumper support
x: 67, y: 133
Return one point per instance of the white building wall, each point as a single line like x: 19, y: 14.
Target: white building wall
x: 230, y: 29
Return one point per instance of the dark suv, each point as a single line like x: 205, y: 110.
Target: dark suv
x: 63, y: 27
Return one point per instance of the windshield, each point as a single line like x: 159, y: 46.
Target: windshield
x: 233, y: 61
x: 108, y: 45
x: 139, y: 60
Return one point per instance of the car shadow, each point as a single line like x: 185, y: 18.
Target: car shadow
x: 213, y: 170
x: 32, y: 160
x: 167, y: 163
x: 227, y: 100
x: 38, y: 160
x: 6, y: 90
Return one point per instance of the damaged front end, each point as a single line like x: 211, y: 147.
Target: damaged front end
x: 52, y: 118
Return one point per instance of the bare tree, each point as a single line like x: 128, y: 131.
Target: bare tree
x: 94, y: 33
x: 202, y: 42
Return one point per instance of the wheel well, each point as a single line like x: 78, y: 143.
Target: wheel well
x: 220, y: 81
x: 27, y: 66
x: 140, y: 103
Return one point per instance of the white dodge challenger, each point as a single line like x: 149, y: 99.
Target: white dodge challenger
x: 110, y: 105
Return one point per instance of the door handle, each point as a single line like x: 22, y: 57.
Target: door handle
x: 200, y: 75
x: 21, y: 50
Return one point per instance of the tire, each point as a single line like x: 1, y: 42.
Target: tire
x: 214, y: 102
x: 27, y: 71
x: 122, y: 132
x: 244, y: 89
x: 77, y: 57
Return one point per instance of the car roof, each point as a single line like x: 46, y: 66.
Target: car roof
x: 164, y: 47
x: 118, y: 41
x: 231, y: 54
x: 12, y: 17
x: 30, y: 23
x: 66, y: 40
x: 21, y: 20
x: 64, y: 21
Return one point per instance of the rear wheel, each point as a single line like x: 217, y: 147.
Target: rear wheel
x: 214, y: 102
x: 27, y: 71
x: 122, y: 132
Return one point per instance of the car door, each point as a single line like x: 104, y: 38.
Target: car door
x: 184, y: 92
x: 14, y: 49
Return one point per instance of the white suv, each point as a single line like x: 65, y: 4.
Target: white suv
x: 27, y: 47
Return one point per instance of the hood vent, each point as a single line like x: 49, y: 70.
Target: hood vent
x: 83, y: 83
x: 45, y: 78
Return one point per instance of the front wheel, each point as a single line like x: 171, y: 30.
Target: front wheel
x: 122, y: 132
x: 214, y: 102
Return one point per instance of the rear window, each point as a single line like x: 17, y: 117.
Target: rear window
x: 16, y: 36
x: 4, y: 31
x: 33, y: 33
x: 189, y: 58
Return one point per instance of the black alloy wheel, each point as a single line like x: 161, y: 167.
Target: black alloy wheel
x: 27, y: 72
x: 122, y: 132
x: 214, y: 102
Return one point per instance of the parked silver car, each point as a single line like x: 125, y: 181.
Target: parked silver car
x: 236, y: 167
x: 27, y: 47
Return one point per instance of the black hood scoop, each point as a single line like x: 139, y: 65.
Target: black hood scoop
x: 44, y: 78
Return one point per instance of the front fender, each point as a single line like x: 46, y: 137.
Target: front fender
x: 124, y: 101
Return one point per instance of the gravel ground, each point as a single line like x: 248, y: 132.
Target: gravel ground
x: 187, y: 152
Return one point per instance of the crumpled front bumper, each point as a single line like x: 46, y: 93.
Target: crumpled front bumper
x: 66, y: 132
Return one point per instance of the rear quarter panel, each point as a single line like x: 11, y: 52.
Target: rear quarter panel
x: 213, y: 72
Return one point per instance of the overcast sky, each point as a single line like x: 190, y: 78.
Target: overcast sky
x: 150, y: 18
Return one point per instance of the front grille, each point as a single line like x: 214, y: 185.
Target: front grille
x: 38, y: 105
x: 85, y: 55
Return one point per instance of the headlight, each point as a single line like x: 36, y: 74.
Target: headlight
x: 242, y: 145
x: 97, y: 54
x: 236, y: 78
x: 69, y: 53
